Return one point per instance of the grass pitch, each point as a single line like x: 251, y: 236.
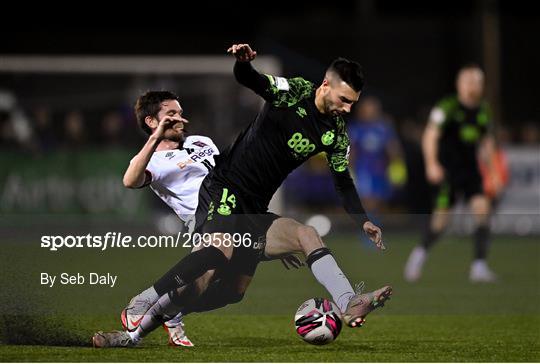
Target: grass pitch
x: 442, y: 318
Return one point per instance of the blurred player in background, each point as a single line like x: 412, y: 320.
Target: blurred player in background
x: 375, y: 150
x: 458, y: 134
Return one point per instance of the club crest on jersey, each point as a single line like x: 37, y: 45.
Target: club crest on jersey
x: 224, y: 210
x: 328, y: 137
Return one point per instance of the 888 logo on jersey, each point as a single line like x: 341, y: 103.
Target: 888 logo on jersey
x: 300, y: 146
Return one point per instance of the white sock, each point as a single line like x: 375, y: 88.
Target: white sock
x: 332, y: 278
x: 479, y: 263
x: 415, y: 263
x: 176, y: 320
x: 161, y: 311
x: 149, y: 294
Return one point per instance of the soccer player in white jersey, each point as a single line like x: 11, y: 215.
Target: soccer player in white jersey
x: 174, y: 167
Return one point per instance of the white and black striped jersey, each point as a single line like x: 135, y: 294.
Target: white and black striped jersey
x: 176, y: 175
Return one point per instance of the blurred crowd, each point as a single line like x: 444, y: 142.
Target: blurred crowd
x: 42, y: 130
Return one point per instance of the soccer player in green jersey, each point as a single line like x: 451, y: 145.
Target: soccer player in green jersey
x: 298, y: 121
x: 459, y: 131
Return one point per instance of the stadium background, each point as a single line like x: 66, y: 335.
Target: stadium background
x: 67, y: 133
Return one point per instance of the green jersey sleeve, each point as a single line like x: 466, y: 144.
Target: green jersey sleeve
x: 283, y: 92
x: 442, y: 111
x: 338, y: 158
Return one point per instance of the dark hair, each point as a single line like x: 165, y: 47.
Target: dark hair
x: 149, y: 104
x: 470, y: 65
x: 349, y: 71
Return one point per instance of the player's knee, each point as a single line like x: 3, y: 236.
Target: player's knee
x: 439, y: 220
x: 220, y: 243
x: 306, y: 231
x: 308, y: 238
x: 480, y: 208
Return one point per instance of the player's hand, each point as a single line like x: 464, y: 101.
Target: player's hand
x: 434, y: 173
x: 164, y: 124
x: 375, y: 234
x: 292, y: 261
x: 242, y: 52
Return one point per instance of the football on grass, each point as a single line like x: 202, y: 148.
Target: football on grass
x: 318, y: 321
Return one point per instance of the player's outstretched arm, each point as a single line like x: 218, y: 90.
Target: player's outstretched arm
x: 136, y: 175
x: 375, y: 234
x: 352, y: 204
x: 244, y: 72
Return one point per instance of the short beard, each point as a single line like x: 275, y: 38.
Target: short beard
x: 177, y: 138
x: 327, y: 110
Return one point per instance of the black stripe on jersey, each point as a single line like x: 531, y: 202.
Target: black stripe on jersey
x: 207, y: 164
